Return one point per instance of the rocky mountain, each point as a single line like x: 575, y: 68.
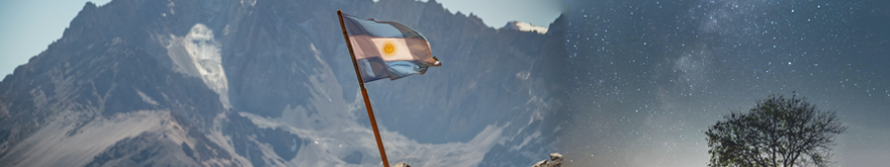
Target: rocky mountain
x: 270, y: 83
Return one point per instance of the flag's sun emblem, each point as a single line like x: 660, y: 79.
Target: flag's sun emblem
x: 389, y: 49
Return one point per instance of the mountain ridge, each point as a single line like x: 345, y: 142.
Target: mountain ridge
x: 229, y: 82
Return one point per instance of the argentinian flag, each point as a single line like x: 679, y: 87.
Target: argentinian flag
x: 386, y: 49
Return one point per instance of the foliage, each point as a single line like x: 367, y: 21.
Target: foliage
x: 777, y: 132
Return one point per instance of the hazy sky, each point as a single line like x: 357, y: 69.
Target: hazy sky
x: 536, y: 12
x: 28, y: 27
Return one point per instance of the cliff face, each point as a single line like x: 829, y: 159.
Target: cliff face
x: 270, y: 83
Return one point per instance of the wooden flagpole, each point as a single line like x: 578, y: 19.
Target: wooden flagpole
x: 361, y: 84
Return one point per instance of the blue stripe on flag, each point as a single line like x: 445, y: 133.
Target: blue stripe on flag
x: 373, y: 69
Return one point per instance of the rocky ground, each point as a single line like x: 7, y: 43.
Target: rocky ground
x: 555, y: 161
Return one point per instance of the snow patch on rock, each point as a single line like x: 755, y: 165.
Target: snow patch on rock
x: 527, y: 27
x: 198, y: 54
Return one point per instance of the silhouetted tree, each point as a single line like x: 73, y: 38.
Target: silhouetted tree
x: 777, y: 132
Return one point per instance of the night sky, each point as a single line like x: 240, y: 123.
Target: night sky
x: 647, y: 78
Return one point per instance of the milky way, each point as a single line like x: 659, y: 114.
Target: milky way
x: 648, y: 77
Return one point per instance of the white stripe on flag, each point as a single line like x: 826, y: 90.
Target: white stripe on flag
x: 393, y: 49
x: 369, y: 47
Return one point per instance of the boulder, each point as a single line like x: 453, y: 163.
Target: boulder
x: 555, y: 161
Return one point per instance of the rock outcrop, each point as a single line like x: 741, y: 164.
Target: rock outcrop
x: 555, y: 161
